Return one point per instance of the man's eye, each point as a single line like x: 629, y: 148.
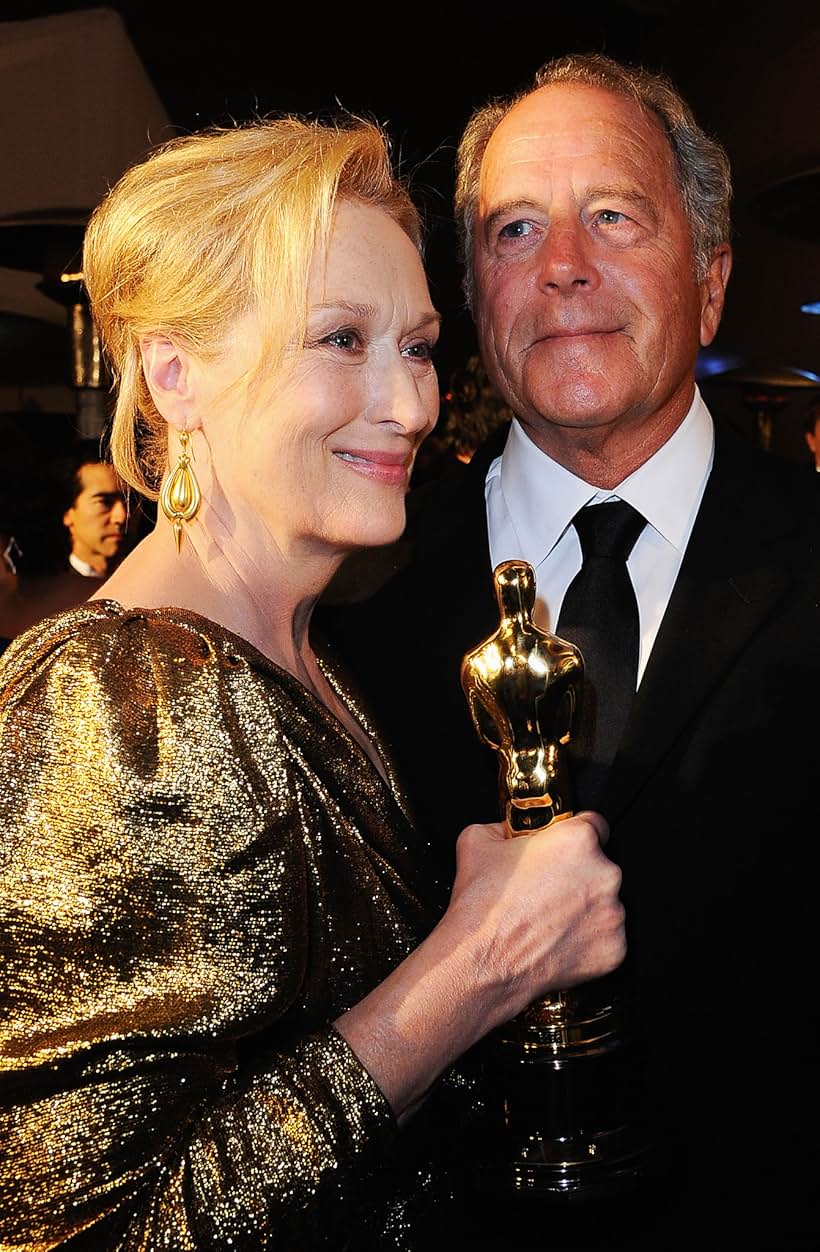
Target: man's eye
x: 611, y: 217
x: 515, y: 230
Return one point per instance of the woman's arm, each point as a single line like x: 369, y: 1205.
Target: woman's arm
x: 164, y: 1078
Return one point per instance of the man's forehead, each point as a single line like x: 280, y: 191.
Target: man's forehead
x: 573, y: 122
x: 99, y: 478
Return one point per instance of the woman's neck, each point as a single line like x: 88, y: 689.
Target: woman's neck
x: 270, y: 610
x: 267, y: 600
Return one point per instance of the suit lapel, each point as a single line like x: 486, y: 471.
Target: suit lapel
x: 731, y: 577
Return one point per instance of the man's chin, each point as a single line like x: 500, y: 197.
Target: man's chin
x: 584, y: 411
x: 572, y: 396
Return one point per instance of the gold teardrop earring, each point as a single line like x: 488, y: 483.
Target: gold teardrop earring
x: 180, y: 497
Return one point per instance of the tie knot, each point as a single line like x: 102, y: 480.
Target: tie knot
x: 608, y: 530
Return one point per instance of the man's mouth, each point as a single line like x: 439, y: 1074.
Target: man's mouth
x: 578, y: 332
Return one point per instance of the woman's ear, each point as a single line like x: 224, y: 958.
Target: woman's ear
x: 167, y: 369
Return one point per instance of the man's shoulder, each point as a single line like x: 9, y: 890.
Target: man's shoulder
x: 776, y: 491
x: 759, y: 522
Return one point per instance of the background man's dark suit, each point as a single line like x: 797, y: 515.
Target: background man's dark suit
x: 714, y: 815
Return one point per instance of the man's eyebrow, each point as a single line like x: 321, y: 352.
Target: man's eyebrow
x: 504, y: 209
x: 619, y: 191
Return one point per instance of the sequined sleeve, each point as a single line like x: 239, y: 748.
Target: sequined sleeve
x: 169, y: 932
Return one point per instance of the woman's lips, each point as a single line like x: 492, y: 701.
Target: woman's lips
x: 383, y: 467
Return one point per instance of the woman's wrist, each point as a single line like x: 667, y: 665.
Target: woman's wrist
x: 430, y: 1010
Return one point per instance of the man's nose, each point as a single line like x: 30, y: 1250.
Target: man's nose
x: 565, y: 260
x: 119, y: 513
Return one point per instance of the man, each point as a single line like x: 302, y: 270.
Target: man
x: 72, y: 524
x: 96, y: 518
x: 595, y: 219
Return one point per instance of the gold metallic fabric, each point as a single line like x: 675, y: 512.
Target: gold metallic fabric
x: 199, y: 870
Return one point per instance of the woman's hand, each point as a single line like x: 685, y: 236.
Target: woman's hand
x: 527, y: 916
x: 542, y: 908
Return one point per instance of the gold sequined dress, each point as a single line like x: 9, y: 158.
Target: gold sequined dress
x: 200, y: 870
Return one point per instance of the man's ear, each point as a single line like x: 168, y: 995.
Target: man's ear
x: 713, y: 289
x: 167, y: 369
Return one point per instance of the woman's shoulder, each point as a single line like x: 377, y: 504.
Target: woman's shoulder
x: 115, y: 644
x: 119, y: 699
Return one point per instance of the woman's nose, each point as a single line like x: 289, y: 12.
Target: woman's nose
x: 411, y: 397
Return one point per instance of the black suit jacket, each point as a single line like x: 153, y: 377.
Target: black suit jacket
x: 712, y: 802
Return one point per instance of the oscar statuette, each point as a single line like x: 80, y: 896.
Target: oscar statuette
x: 562, y: 1065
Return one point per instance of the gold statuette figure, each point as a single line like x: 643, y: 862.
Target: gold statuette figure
x: 523, y: 685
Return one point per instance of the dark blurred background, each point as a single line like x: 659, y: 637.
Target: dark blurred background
x: 86, y: 90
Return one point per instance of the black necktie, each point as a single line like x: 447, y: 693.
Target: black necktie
x: 600, y: 616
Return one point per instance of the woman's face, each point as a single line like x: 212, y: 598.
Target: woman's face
x: 323, y: 458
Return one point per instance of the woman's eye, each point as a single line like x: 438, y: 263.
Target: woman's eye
x: 421, y: 351
x: 515, y: 230
x: 347, y: 340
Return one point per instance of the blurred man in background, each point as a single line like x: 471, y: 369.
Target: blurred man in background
x: 96, y: 518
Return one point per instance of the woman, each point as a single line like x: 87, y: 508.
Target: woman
x: 221, y: 1003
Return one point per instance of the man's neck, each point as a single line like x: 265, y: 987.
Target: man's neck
x: 605, y: 455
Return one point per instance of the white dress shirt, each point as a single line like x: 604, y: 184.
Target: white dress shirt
x: 531, y: 501
x: 82, y: 567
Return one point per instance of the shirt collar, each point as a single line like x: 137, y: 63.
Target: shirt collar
x: 667, y: 488
x: 82, y: 567
x: 542, y: 497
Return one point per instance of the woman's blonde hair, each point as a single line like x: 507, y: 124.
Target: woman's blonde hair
x: 214, y: 225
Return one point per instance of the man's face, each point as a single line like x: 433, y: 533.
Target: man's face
x: 587, y: 308
x: 96, y: 519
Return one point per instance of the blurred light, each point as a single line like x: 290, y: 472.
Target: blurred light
x: 710, y: 362
x: 813, y: 306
